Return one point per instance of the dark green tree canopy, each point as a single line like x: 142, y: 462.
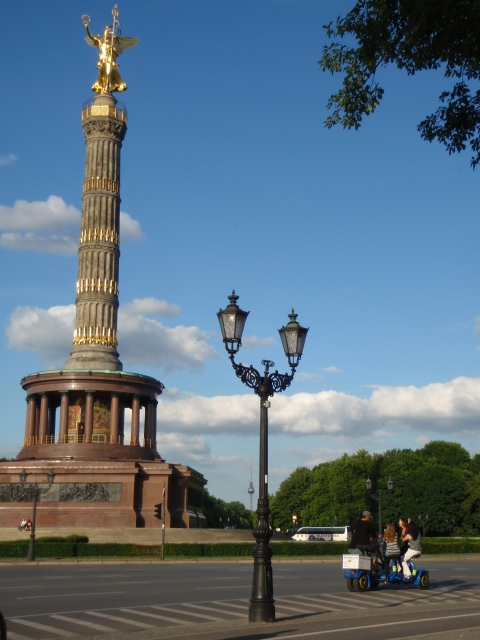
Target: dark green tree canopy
x: 414, y: 35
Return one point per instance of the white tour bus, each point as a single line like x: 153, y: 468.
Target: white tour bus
x: 323, y: 534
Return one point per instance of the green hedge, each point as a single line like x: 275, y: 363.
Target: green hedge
x: 75, y: 546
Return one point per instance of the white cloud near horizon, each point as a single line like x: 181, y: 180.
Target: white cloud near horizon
x: 51, y: 226
x: 332, y: 370
x: 10, y: 158
x: 256, y: 343
x: 441, y: 408
x: 142, y: 340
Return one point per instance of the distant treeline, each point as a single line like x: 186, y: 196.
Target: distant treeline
x: 440, y: 480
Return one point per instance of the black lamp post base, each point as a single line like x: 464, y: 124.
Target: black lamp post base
x: 262, y: 602
x: 261, y: 611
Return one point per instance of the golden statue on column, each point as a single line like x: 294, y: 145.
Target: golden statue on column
x: 109, y: 48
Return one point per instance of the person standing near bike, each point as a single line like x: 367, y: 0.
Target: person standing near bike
x: 364, y: 535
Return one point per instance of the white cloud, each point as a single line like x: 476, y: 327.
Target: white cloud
x: 332, y: 370
x: 129, y: 228
x: 151, y: 307
x: 142, y: 340
x: 59, y: 245
x: 47, y: 332
x: 256, y: 343
x: 441, y: 408
x: 309, y: 377
x: 38, y: 216
x: 8, y: 159
x: 51, y: 226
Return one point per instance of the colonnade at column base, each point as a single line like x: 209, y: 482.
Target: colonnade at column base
x: 83, y: 413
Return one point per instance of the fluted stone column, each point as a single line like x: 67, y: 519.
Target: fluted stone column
x: 88, y: 433
x: 43, y: 418
x: 114, y: 418
x: 62, y: 436
x: 95, y: 335
x: 31, y: 410
x: 135, y: 434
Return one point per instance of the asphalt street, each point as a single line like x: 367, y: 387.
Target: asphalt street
x: 119, y: 601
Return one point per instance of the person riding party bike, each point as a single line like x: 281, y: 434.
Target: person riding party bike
x: 392, y: 550
x: 410, y: 535
x: 364, y: 535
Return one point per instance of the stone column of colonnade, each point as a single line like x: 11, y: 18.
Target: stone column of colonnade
x: 95, y: 334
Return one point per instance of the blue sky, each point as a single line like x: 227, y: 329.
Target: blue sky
x: 230, y: 180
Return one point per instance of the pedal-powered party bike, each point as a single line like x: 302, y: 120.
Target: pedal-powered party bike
x: 363, y: 571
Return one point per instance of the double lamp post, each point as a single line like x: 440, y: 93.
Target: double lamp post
x: 379, y: 497
x: 37, y: 492
x: 232, y: 321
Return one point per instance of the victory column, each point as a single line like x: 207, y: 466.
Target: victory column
x: 74, y: 430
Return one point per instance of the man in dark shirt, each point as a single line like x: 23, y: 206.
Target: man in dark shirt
x: 364, y: 534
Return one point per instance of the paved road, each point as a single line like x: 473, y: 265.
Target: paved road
x: 150, y: 601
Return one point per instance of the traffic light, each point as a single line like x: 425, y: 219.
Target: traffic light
x: 158, y: 511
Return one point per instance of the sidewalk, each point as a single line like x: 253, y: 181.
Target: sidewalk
x: 465, y: 557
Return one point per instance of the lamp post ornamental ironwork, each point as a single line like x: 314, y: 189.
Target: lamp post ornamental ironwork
x: 232, y: 322
x: 379, y: 497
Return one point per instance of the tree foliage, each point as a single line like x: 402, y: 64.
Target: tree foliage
x: 414, y: 35
x: 219, y: 513
x: 440, y: 480
x: 291, y: 498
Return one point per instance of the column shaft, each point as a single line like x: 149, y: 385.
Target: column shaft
x: 62, y: 436
x: 134, y: 439
x: 88, y: 417
x: 42, y: 429
x: 114, y: 418
x: 154, y: 424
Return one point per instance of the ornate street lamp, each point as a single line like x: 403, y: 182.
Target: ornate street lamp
x: 450, y: 524
x: 294, y: 523
x: 379, y: 497
x: 37, y: 493
x: 422, y: 522
x: 232, y: 322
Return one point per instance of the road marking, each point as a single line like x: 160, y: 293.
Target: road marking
x: 243, y: 607
x: 374, y: 626
x: 190, y: 613
x: 142, y: 625
x: 325, y: 598
x: 405, y: 601
x: 346, y: 600
x: 233, y: 586
x: 17, y: 636
x: 296, y: 609
x: 155, y: 615
x: 327, y: 607
x: 70, y: 595
x: 231, y: 613
x: 45, y: 627
x: 83, y: 623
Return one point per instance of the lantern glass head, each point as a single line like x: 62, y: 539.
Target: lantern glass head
x: 368, y: 484
x: 232, y: 322
x: 51, y: 476
x: 389, y: 484
x: 23, y: 476
x: 293, y: 337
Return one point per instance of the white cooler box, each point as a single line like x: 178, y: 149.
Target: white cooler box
x: 354, y: 562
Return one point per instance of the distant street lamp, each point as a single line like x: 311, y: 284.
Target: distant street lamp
x: 37, y: 493
x: 379, y: 497
x: 422, y: 522
x: 232, y: 321
x: 294, y: 523
x: 450, y: 524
